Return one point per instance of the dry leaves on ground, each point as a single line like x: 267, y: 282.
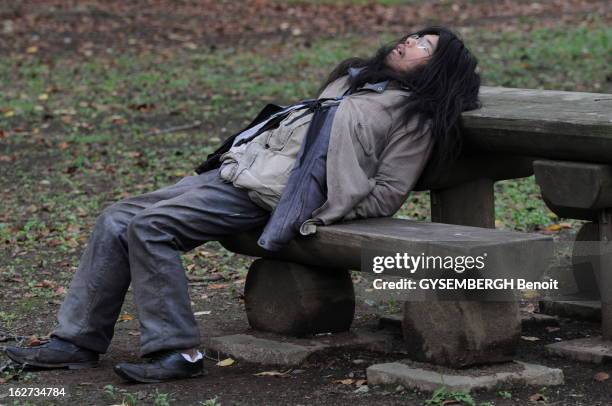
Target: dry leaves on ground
x: 274, y: 373
x: 601, y: 376
x: 226, y: 362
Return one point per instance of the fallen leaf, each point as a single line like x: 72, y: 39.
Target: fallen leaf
x: 133, y: 333
x: 528, y: 338
x: 43, y: 97
x: 203, y: 312
x: 117, y: 119
x: 144, y: 107
x: 552, y: 227
x: 213, y: 277
x: 72, y: 243
x: 217, y: 285
x: 347, y: 381
x: 360, y: 382
x: 552, y: 329
x: 46, y: 283
x: 601, y: 376
x: 225, y: 363
x: 272, y: 373
x: 537, y: 397
x: 32, y: 49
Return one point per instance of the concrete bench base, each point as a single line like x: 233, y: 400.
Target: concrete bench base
x: 574, y: 309
x: 271, y: 349
x: 591, y: 349
x: 428, y: 379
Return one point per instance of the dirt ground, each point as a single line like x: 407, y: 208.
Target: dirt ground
x: 314, y: 382
x: 87, y: 27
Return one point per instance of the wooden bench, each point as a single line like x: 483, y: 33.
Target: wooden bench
x: 306, y: 288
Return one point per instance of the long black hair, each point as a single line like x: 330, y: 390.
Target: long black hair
x: 440, y: 90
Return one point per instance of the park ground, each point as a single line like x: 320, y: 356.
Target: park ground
x: 100, y: 100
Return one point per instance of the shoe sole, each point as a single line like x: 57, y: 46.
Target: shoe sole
x: 69, y: 365
x: 127, y: 376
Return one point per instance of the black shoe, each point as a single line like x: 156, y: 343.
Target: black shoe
x: 164, y: 366
x: 56, y: 353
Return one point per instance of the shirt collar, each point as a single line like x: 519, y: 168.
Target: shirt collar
x: 378, y: 87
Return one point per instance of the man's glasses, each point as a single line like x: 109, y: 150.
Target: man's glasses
x: 421, y: 42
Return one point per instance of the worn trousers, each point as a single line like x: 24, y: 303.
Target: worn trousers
x: 139, y: 240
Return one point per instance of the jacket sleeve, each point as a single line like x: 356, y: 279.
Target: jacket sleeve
x: 401, y: 163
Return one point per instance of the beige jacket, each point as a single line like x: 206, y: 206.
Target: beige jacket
x: 372, y: 162
x: 262, y: 165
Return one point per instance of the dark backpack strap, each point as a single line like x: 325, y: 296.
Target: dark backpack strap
x: 212, y: 160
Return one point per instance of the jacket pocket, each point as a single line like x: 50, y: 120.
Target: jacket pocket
x: 280, y: 137
x: 362, y: 135
x: 227, y: 171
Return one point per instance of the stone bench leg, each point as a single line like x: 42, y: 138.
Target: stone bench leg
x: 468, y: 204
x: 462, y: 333
x: 298, y: 300
x: 605, y: 277
x: 586, y: 260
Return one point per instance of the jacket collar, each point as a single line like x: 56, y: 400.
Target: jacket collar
x: 378, y: 87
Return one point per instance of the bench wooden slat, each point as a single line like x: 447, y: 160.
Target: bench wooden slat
x: 510, y: 253
x: 555, y: 124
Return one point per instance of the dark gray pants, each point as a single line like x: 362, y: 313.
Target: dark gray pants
x: 138, y: 240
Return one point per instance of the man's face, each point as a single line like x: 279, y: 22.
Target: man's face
x: 412, y: 52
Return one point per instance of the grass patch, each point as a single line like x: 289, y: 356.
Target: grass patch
x: 573, y: 59
x: 79, y: 130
